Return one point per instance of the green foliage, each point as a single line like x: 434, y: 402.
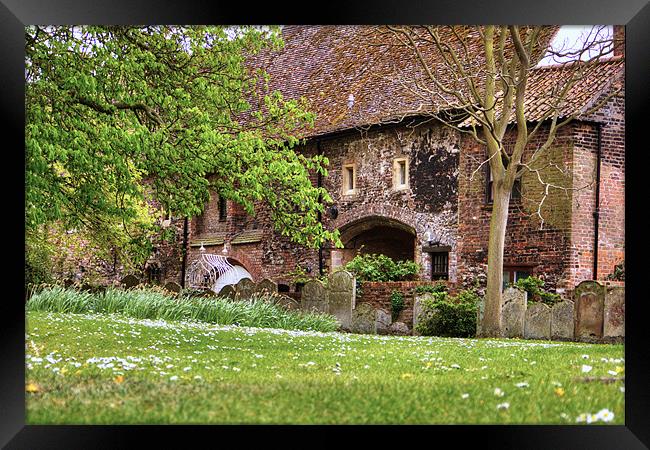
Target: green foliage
x: 38, y: 260
x: 118, y: 116
x: 376, y: 267
x: 619, y: 272
x: 431, y: 288
x: 396, y: 303
x: 155, y: 303
x: 534, y: 286
x: 449, y: 316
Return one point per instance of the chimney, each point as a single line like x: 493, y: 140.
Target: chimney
x: 619, y: 40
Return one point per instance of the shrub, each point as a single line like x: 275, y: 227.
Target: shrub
x: 431, y: 288
x: 449, y: 316
x: 536, y: 293
x: 396, y: 303
x: 375, y: 267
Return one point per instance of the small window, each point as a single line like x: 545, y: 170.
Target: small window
x: 516, y: 187
x: 223, y: 209
x: 401, y: 173
x: 349, y: 179
x: 511, y: 274
x: 440, y: 266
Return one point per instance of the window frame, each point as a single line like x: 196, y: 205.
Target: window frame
x: 436, y: 251
x: 346, y: 178
x: 222, y: 206
x: 398, y: 163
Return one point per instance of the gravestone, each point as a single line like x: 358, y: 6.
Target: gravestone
x: 342, y: 290
x: 364, y: 320
x: 513, y: 312
x: 538, y: 322
x: 208, y: 293
x: 266, y: 287
x: 417, y: 309
x: 614, y: 326
x: 399, y: 328
x: 382, y: 321
x: 314, y: 297
x: 590, y: 305
x: 228, y: 291
x: 479, y: 315
x: 130, y: 281
x: 244, y: 289
x: 172, y: 286
x: 562, y: 315
x: 287, y: 302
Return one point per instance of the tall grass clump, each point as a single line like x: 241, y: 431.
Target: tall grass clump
x: 153, y: 303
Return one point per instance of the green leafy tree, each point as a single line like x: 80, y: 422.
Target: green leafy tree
x: 125, y: 124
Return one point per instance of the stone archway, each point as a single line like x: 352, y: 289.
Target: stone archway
x: 376, y: 234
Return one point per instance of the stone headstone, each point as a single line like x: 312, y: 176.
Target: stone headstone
x: 590, y: 305
x: 208, y: 293
x: 172, y: 286
x: 399, y: 328
x: 342, y: 290
x: 538, y: 321
x: 314, y: 297
x: 614, y: 326
x: 266, y: 287
x: 244, y: 289
x: 382, y: 321
x: 287, y: 302
x: 417, y: 309
x: 228, y: 291
x: 363, y: 319
x: 513, y: 312
x: 562, y: 327
x: 479, y: 315
x: 130, y: 281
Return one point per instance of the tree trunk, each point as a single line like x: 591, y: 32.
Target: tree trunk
x: 491, y: 325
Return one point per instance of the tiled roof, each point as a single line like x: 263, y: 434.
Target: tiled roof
x: 350, y: 80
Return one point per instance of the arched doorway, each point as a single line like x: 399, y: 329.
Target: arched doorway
x: 375, y: 234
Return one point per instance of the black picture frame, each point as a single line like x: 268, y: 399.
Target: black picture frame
x: 635, y: 14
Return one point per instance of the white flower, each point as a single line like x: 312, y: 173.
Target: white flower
x: 455, y: 366
x: 185, y: 369
x: 585, y: 356
x: 622, y: 388
x: 505, y: 405
x: 464, y: 396
x: 605, y: 415
x: 586, y: 368
x: 498, y: 392
x: 174, y: 378
x: 522, y: 384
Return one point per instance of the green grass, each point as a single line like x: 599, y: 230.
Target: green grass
x: 182, y: 372
x: 151, y: 303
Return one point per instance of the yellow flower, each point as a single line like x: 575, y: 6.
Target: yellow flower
x: 619, y: 369
x: 119, y: 379
x: 559, y: 391
x: 63, y: 371
x: 406, y: 376
x: 32, y: 388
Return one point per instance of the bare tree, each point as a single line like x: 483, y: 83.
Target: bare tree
x: 484, y: 81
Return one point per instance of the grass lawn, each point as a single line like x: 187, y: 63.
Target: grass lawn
x: 102, y: 369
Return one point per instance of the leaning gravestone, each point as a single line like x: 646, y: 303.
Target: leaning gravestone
x: 417, y: 309
x: 590, y: 305
x: 342, y: 287
x: 172, y: 286
x: 562, y: 314
x: 244, y: 289
x: 130, y: 281
x: 399, y: 328
x: 382, y: 321
x: 364, y: 320
x: 314, y: 297
x: 513, y: 312
x: 228, y: 291
x: 266, y: 287
x: 614, y: 326
x: 538, y: 322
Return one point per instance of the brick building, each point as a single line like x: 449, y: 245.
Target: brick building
x: 409, y: 187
